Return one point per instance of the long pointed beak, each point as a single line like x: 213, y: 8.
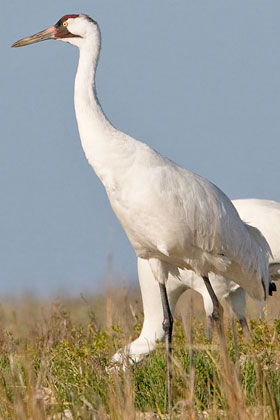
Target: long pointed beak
x: 40, y: 36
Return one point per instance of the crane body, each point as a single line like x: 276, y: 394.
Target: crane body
x: 173, y: 218
x: 263, y: 214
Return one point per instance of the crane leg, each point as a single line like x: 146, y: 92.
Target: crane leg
x: 167, y: 326
x: 218, y: 311
x: 245, y: 327
x: 210, y: 327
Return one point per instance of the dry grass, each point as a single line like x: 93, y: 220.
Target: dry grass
x: 54, y: 360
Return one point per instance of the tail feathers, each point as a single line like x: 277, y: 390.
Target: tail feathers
x: 262, y: 254
x: 260, y: 240
x: 220, y: 261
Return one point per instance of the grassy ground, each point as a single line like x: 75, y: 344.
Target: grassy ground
x: 54, y: 360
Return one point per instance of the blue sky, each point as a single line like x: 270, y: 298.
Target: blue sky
x: 197, y: 80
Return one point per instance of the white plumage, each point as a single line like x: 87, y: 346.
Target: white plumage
x: 173, y: 218
x: 263, y: 214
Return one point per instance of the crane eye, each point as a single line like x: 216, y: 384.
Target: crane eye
x: 65, y: 24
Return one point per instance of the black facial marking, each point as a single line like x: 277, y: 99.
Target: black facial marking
x: 62, y: 31
x: 64, y: 18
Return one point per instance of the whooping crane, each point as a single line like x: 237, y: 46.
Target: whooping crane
x: 173, y: 218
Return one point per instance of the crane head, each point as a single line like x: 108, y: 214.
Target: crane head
x: 70, y: 28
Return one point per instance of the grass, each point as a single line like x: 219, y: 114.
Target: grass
x: 54, y: 360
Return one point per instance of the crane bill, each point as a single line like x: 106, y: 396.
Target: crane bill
x: 38, y: 37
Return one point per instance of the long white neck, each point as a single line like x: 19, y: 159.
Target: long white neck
x: 95, y: 130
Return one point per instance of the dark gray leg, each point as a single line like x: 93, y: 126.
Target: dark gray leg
x: 167, y: 326
x: 217, y: 314
x: 210, y: 328
x: 245, y: 327
x: 235, y: 340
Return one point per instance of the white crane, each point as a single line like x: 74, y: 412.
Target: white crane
x: 263, y: 214
x: 172, y: 217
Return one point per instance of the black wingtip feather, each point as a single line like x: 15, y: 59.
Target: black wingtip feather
x: 272, y: 288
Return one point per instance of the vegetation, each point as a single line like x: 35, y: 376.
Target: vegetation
x: 55, y: 364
